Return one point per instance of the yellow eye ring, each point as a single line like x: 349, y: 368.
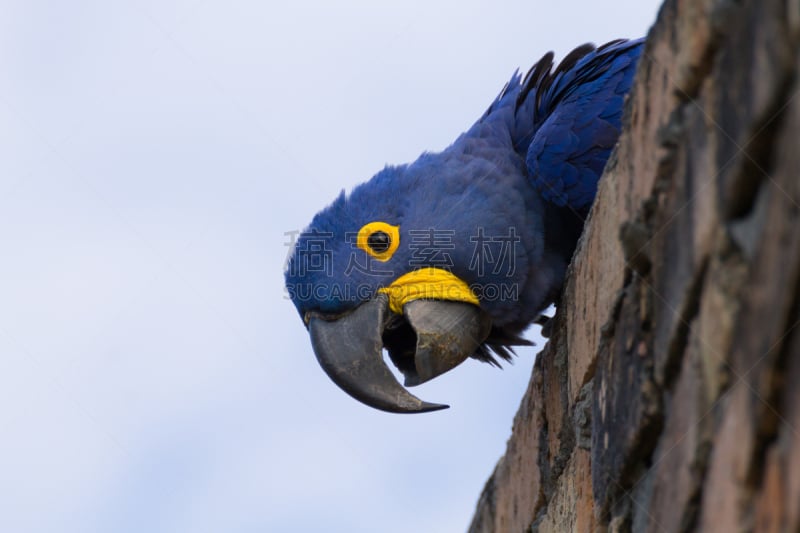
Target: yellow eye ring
x: 379, y: 239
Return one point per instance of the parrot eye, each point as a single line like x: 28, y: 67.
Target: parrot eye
x: 379, y: 239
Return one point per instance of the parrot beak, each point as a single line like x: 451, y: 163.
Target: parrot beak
x: 428, y: 339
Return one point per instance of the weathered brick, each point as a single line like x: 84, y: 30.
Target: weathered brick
x: 682, y: 304
x: 679, y: 460
x: 571, y: 507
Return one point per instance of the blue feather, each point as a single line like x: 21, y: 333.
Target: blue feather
x: 582, y: 99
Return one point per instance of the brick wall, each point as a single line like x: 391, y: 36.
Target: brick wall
x: 668, y: 397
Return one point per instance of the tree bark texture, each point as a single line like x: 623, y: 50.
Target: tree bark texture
x: 668, y: 396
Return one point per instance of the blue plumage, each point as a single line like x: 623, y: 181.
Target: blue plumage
x: 515, y: 187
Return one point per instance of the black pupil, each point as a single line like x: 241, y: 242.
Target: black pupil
x: 379, y: 241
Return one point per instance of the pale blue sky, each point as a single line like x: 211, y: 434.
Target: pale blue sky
x: 152, y: 155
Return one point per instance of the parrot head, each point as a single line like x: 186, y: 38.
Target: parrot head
x: 429, y: 261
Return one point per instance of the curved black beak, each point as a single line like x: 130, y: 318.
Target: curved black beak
x: 440, y: 335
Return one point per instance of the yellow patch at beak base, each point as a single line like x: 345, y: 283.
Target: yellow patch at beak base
x: 427, y: 284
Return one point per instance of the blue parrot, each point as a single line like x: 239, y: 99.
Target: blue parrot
x: 454, y: 255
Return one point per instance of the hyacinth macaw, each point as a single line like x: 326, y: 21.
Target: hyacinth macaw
x: 455, y: 254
